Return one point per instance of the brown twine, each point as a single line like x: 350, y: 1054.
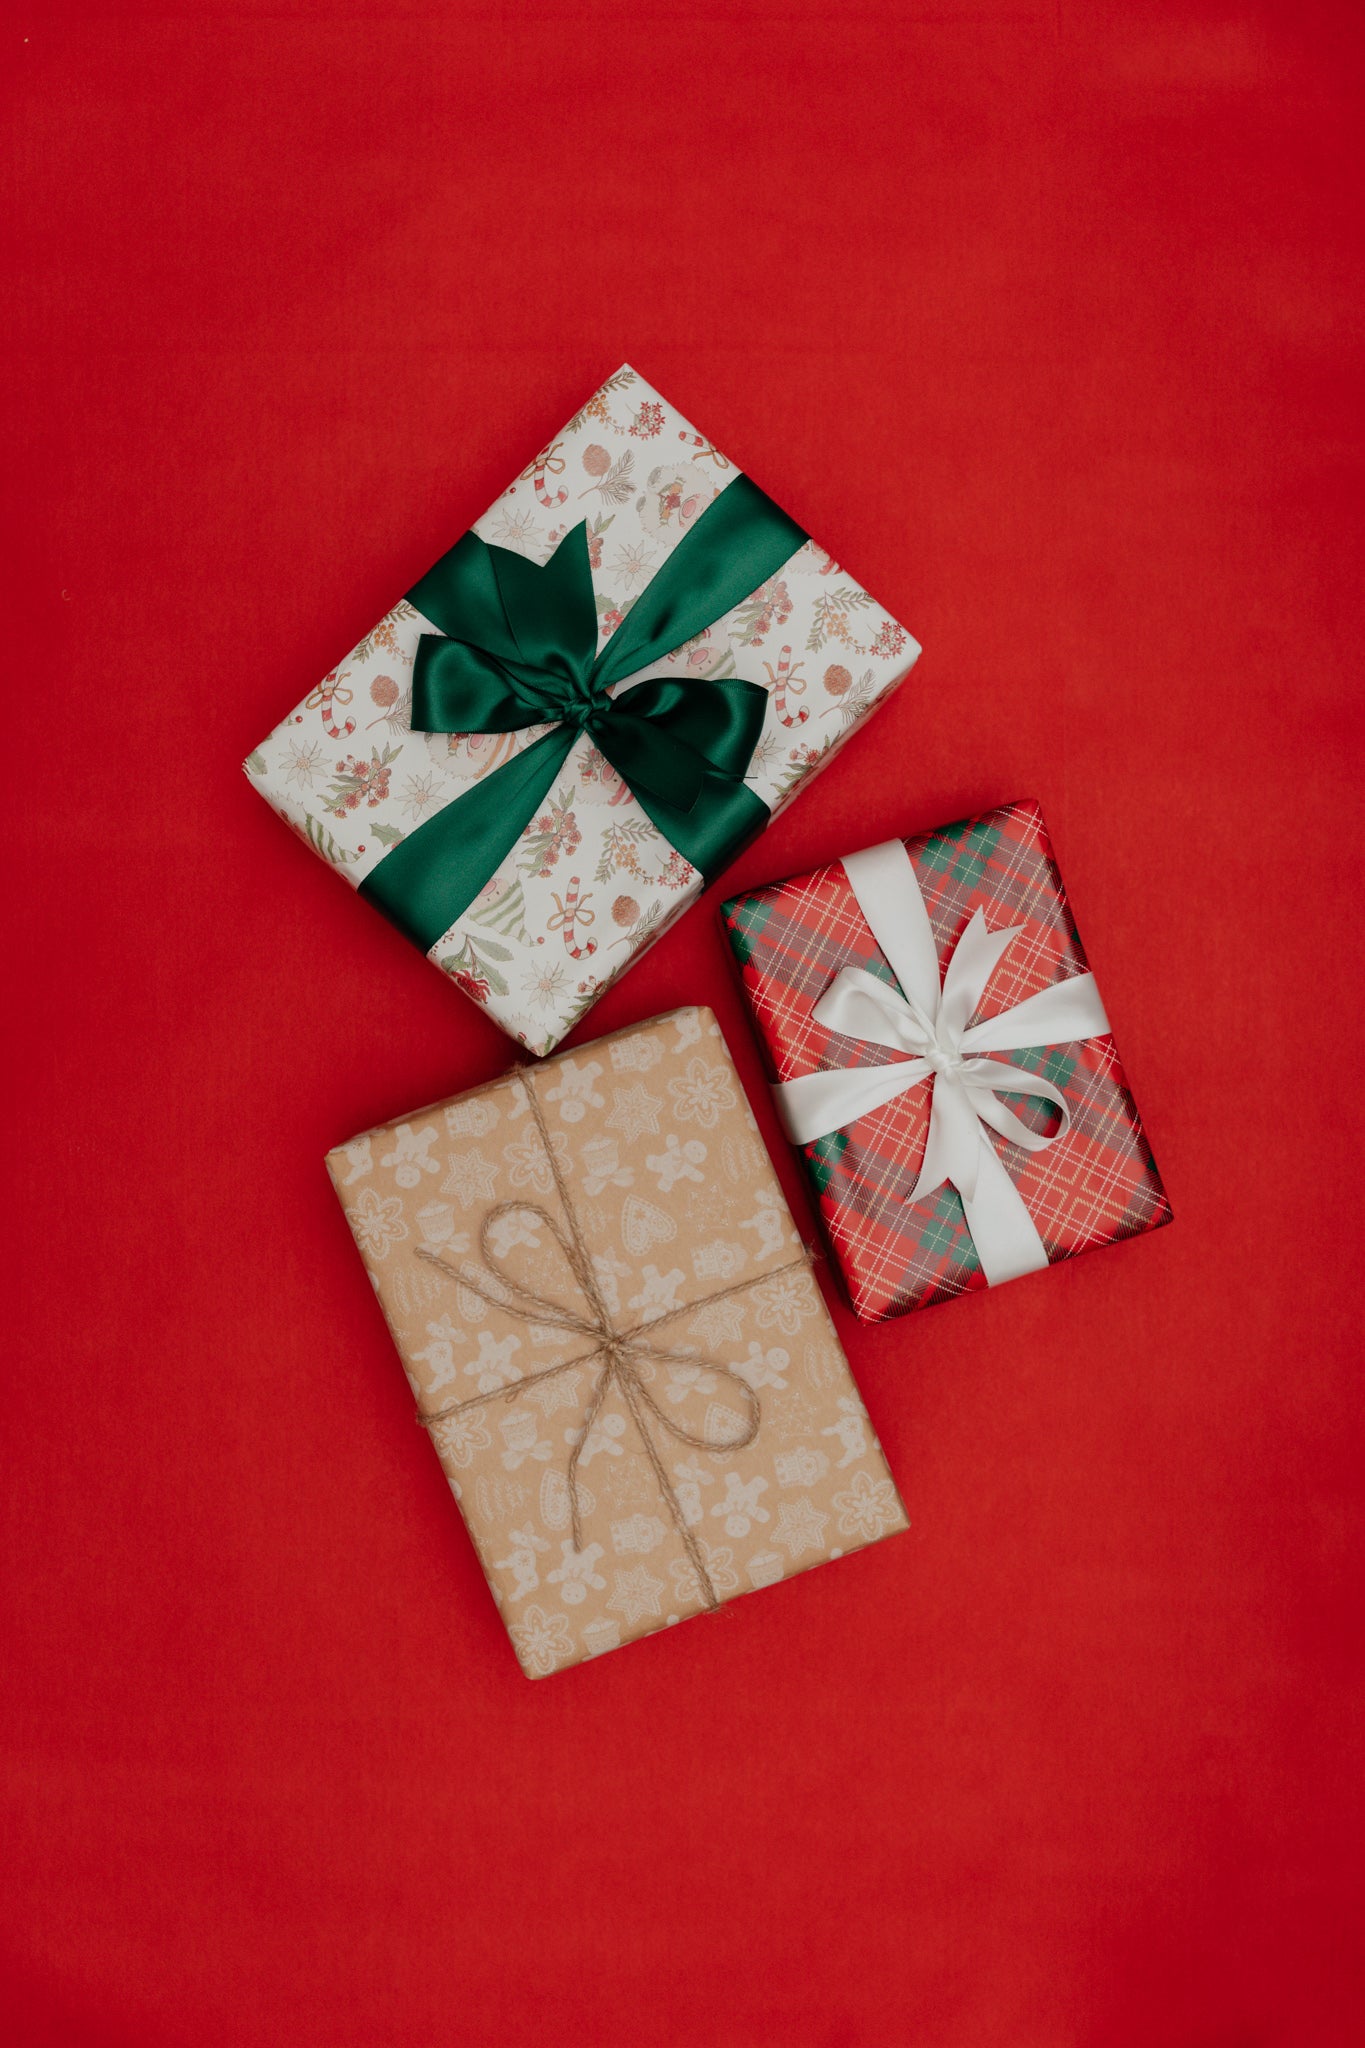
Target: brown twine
x: 618, y: 1350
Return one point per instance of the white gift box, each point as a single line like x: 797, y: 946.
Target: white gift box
x: 592, y: 880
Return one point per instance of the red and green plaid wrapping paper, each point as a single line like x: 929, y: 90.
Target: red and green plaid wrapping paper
x: 1093, y: 1187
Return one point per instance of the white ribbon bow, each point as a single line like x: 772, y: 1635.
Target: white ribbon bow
x: 930, y: 1022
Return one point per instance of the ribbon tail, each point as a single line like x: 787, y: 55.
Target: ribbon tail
x: 884, y: 882
x: 1061, y: 1015
x: 727, y: 817
x: 425, y: 882
x: 816, y: 1104
x: 1004, y: 1234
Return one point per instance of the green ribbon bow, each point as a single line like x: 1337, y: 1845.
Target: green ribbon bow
x: 521, y: 650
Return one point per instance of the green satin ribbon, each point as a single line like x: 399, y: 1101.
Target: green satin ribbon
x: 520, y: 650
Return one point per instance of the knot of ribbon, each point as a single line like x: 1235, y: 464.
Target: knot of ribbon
x: 928, y: 1020
x: 518, y: 649
x: 622, y: 1358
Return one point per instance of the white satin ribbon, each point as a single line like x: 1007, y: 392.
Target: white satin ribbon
x: 928, y: 1021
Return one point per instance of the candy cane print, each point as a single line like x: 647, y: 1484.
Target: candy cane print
x: 549, y: 462
x: 787, y: 682
x: 332, y: 690
x: 574, y: 910
x: 703, y: 449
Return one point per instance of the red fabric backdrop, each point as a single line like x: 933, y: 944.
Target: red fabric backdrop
x: 1046, y: 318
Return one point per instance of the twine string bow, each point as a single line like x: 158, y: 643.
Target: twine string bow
x: 620, y: 1354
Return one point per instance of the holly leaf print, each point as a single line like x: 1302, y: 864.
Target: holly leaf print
x: 388, y: 835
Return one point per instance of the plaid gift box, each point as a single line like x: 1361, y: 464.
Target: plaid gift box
x: 1094, y: 1182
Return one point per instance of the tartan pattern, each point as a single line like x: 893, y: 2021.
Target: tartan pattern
x: 1096, y: 1186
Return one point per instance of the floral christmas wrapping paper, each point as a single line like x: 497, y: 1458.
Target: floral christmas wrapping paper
x: 673, y: 1193
x: 592, y: 880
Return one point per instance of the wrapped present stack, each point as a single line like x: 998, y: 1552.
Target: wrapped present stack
x: 536, y: 760
x: 613, y: 1335
x: 532, y: 765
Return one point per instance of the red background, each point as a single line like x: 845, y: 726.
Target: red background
x: 1046, y: 319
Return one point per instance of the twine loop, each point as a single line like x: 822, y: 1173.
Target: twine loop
x: 619, y: 1354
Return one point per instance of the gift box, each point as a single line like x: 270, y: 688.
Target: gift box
x: 539, y: 757
x: 940, y: 1052
x: 614, y: 1338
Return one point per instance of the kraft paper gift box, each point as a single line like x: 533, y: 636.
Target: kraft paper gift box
x: 536, y: 759
x: 612, y: 1332
x: 942, y: 1056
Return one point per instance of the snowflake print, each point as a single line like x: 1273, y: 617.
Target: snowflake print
x: 305, y: 764
x: 378, y: 1223
x: 782, y: 1303
x: 634, y: 560
x: 867, y: 1507
x: 516, y: 529
x: 577, y: 1572
x: 541, y: 1640
x: 527, y: 1166
x: 637, y: 1595
x: 701, y: 1095
x: 547, y: 985
x: 719, y: 1322
x: 648, y: 421
x: 557, y: 1390
x: 720, y: 1569
x: 458, y: 1437
x: 471, y: 1178
x: 411, y: 1154
x: 421, y: 793
x: 800, y: 1526
x: 635, y: 1112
